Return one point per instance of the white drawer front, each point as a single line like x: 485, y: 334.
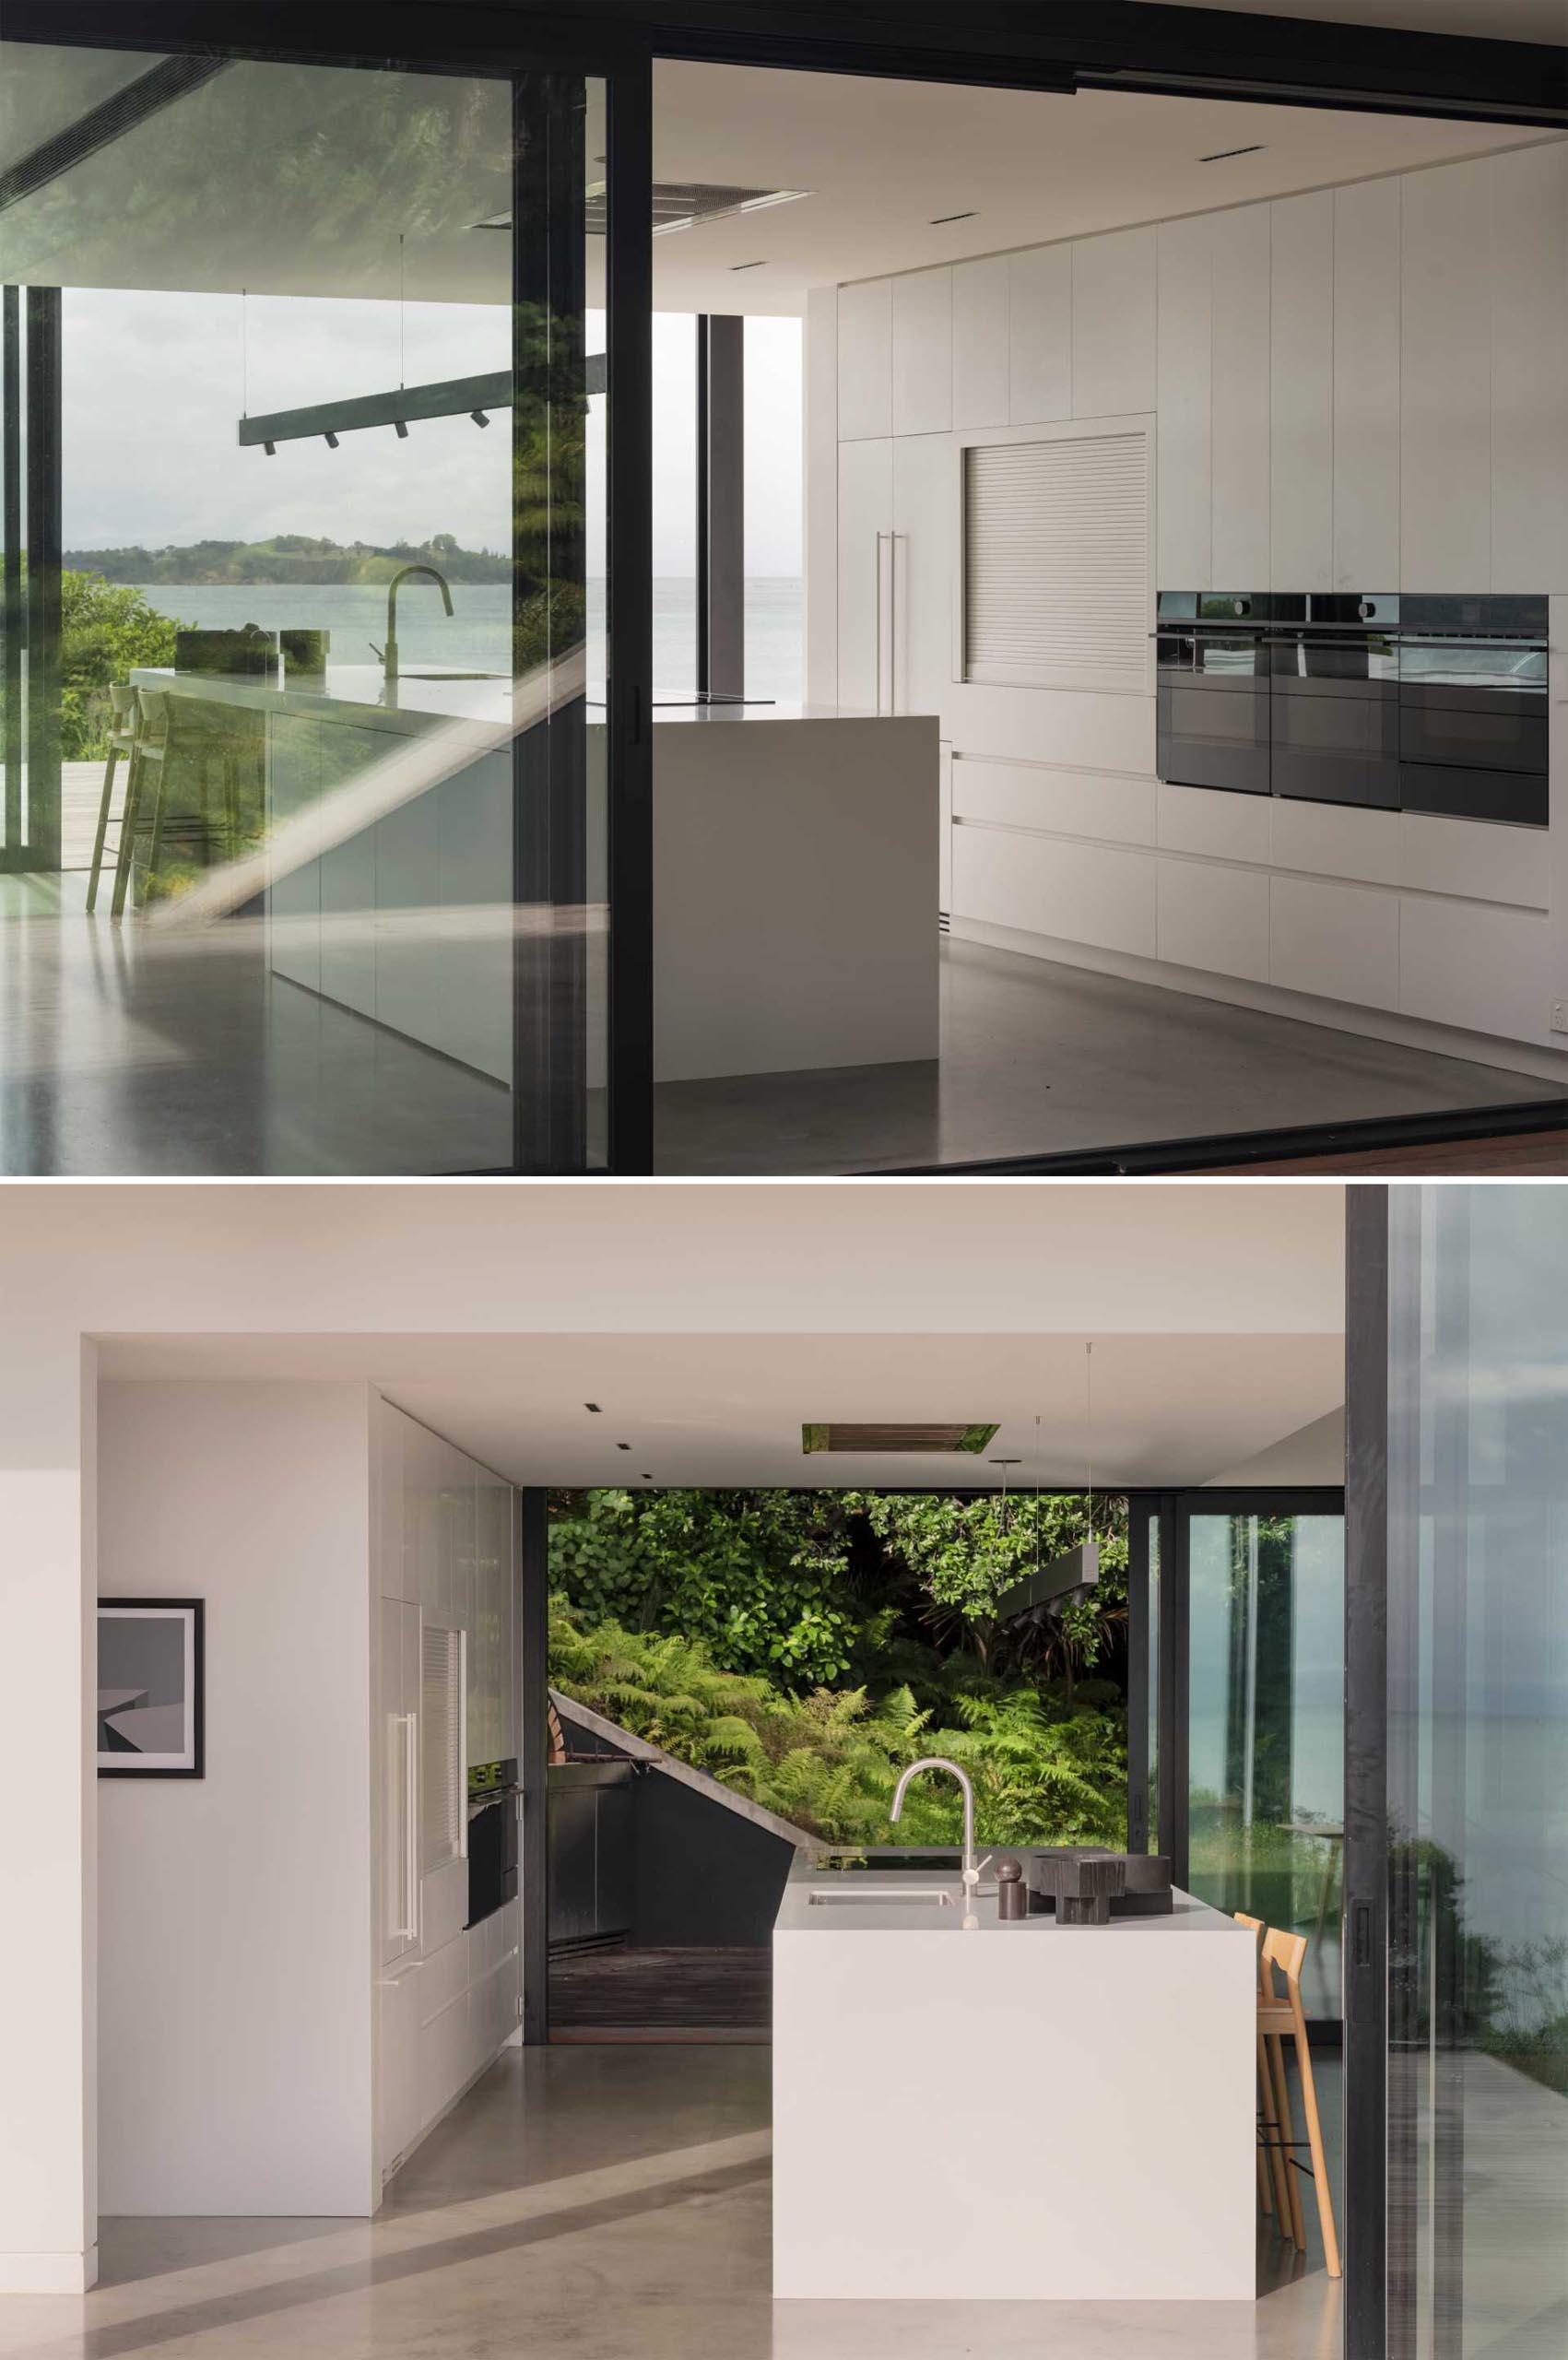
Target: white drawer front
x: 1048, y: 885
x: 1214, y: 918
x: 1339, y: 941
x: 1225, y: 827
x: 1070, y: 803
x: 1484, y: 864
x: 1336, y: 840
x: 1488, y: 970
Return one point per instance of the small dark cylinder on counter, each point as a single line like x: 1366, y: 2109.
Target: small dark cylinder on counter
x: 1012, y: 1893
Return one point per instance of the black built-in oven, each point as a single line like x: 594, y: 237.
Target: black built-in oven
x: 492, y: 1838
x: 1334, y: 699
x: 1413, y: 703
x: 1212, y: 666
x: 1473, y: 708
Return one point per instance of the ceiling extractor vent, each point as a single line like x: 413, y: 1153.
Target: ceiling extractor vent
x: 677, y: 205
x: 890, y: 1438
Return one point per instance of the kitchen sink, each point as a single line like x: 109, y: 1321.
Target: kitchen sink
x: 830, y: 1895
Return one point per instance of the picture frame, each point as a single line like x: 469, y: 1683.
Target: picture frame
x: 151, y: 1688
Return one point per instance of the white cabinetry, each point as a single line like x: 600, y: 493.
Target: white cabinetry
x: 866, y: 518
x: 1183, y: 404
x: 923, y: 352
x: 865, y: 360
x: 1339, y: 941
x: 925, y: 510
x: 1112, y: 323
x: 1040, y: 335
x: 1214, y: 918
x: 1301, y: 402
x: 1239, y: 557
x: 1445, y: 380
x: 398, y: 1858
x: 980, y: 342
x: 1529, y: 370
x: 1366, y: 387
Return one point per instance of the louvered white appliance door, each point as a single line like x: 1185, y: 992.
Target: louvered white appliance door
x: 443, y: 1776
x: 1059, y: 587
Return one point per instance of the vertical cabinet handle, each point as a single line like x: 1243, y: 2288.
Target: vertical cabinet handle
x: 409, y: 1930
x: 893, y: 539
x: 877, y: 653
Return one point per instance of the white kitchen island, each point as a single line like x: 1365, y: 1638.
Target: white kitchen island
x: 795, y: 886
x: 1033, y: 2111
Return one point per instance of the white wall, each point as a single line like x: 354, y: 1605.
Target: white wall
x: 234, y: 1909
x: 1358, y: 388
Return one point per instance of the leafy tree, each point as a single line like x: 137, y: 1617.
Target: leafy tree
x: 104, y: 630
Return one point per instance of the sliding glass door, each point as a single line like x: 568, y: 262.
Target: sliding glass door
x: 1236, y: 1710
x: 310, y: 484
x: 1476, y: 1775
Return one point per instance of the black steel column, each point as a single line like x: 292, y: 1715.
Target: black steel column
x: 549, y: 625
x: 629, y: 298
x: 1365, y: 1955
x: 14, y: 612
x: 44, y: 534
x: 720, y: 505
x: 1141, y: 1514
x: 533, y: 1758
x: 1175, y: 1626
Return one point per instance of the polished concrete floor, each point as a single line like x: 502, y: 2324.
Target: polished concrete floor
x: 127, y: 1052
x: 605, y: 2203
x: 1039, y: 1060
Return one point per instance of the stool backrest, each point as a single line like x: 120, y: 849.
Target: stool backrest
x: 1285, y: 1951
x: 154, y: 706
x: 122, y: 700
x: 1255, y: 1927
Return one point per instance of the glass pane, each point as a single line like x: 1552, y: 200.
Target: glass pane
x: 281, y: 614
x: 1266, y: 1729
x: 1478, y: 1775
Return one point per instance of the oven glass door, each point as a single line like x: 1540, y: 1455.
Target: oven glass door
x: 1335, y: 717
x: 1213, y: 709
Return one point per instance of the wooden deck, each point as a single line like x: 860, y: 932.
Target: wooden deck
x: 623, y: 1994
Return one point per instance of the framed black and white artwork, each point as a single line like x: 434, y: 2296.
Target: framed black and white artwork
x: 149, y: 1688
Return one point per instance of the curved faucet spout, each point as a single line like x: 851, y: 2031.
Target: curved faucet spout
x: 390, y: 654
x: 941, y: 1762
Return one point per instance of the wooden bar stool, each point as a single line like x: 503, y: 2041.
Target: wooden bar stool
x: 122, y: 725
x: 1270, y: 2148
x: 165, y: 740
x: 1279, y: 2020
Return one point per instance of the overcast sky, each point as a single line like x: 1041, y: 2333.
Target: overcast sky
x: 155, y: 382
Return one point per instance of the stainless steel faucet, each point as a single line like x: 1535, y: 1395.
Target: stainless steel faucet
x: 389, y: 655
x: 970, y: 1872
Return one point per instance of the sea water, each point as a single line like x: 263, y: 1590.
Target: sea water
x: 474, y: 637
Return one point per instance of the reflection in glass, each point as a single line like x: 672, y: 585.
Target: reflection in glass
x: 293, y: 519
x: 1478, y: 1775
x: 1266, y: 1729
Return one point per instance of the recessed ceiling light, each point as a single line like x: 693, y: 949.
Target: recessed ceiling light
x: 749, y: 265
x: 594, y: 1407
x: 937, y: 219
x: 647, y: 1479
x: 623, y: 1445
x: 1222, y: 154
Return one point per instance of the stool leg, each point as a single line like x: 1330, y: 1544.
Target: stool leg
x: 128, y: 819
x: 1272, y: 2134
x: 104, y: 801
x: 159, y: 803
x: 1319, y: 2161
x: 1287, y: 2133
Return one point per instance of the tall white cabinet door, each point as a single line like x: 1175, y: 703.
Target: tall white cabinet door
x: 1040, y: 335
x: 1183, y: 404
x: 865, y: 511
x: 1529, y: 370
x: 1239, y: 554
x: 1113, y: 324
x: 1445, y: 380
x: 924, y: 515
x: 980, y: 342
x: 922, y: 351
x: 865, y: 360
x: 1366, y: 387
x: 1300, y: 394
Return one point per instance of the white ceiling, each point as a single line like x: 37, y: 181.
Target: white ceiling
x: 300, y: 180
x: 1543, y: 20
x: 711, y: 1323
x: 729, y: 1409
x: 884, y: 159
